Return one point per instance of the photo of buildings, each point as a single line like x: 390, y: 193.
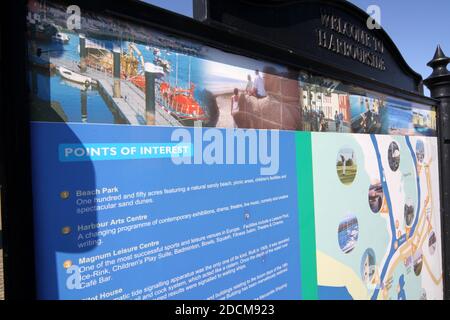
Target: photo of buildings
x: 324, y: 108
x: 424, y: 120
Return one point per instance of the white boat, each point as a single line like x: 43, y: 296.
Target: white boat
x: 75, y: 85
x: 75, y: 77
x: 61, y: 37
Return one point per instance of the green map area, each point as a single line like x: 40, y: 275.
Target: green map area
x: 377, y: 224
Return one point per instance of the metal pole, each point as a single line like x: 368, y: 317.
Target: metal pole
x: 439, y: 84
x: 150, y: 94
x: 83, y: 96
x: 116, y: 57
x: 176, y: 73
x: 83, y: 53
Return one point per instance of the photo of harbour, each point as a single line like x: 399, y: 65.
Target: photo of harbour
x: 111, y: 79
x: 367, y: 114
x: 112, y: 72
x: 432, y: 242
x: 348, y: 232
x: 399, y: 117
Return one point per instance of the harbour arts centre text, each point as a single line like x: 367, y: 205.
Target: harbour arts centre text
x: 358, y: 44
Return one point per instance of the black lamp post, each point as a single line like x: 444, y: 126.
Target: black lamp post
x: 439, y: 84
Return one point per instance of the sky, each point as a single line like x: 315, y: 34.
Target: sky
x: 416, y: 26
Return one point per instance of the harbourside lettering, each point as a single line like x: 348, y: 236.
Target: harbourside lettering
x: 344, y: 38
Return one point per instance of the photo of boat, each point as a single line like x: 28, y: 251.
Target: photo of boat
x: 75, y: 77
x: 61, y: 37
x: 181, y: 102
x: 132, y: 62
x: 43, y: 32
x: 366, y: 113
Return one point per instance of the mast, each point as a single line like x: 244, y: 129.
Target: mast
x: 176, y: 74
x: 189, y: 81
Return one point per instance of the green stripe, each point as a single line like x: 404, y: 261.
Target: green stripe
x: 306, y: 215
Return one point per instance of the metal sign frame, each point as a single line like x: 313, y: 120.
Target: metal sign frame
x: 16, y: 165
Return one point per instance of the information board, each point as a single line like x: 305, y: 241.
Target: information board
x: 167, y: 169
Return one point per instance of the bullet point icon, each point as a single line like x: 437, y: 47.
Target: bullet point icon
x: 67, y: 264
x: 64, y: 195
x: 66, y: 230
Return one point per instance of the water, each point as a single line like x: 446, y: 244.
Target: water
x: 189, y: 69
x: 70, y: 51
x: 399, y: 116
x: 77, y: 104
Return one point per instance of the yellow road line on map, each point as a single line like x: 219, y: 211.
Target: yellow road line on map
x: 409, y: 244
x: 436, y: 281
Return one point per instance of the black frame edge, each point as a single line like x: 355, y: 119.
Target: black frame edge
x: 16, y: 193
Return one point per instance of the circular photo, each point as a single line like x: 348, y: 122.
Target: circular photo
x: 376, y: 197
x: 394, y: 156
x: 368, y: 266
x: 348, y: 232
x: 420, y: 151
x: 409, y: 213
x: 432, y: 243
x: 418, y: 262
x: 346, y: 166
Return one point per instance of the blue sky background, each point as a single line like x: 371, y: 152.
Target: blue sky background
x: 416, y: 26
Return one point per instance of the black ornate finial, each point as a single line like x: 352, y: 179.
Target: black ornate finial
x: 439, y: 63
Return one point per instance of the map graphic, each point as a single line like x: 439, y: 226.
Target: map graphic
x: 377, y: 237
